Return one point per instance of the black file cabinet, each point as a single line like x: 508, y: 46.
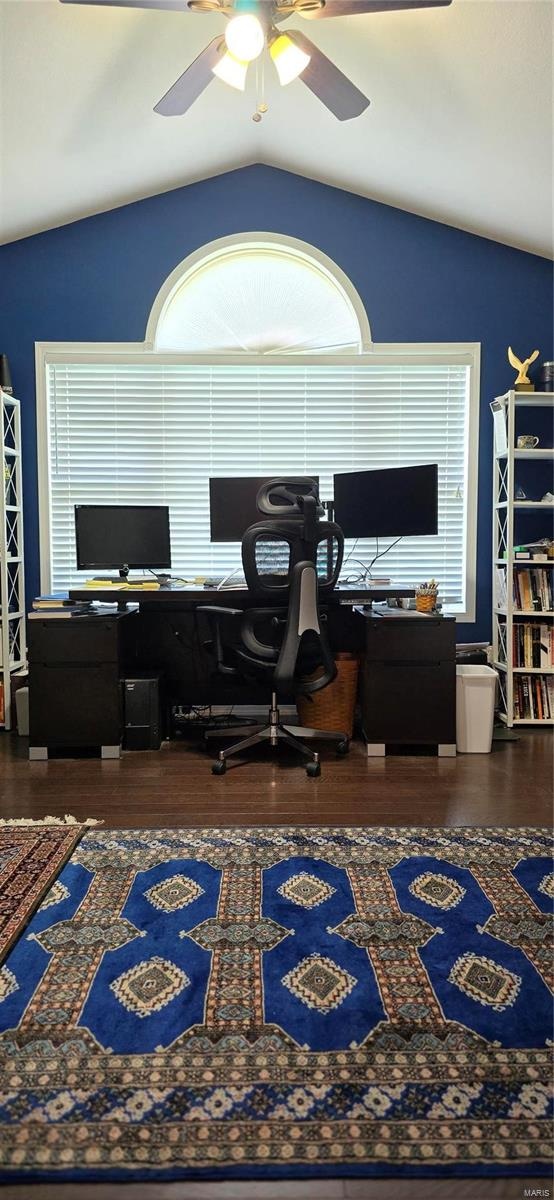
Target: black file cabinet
x: 75, y: 670
x: 409, y: 682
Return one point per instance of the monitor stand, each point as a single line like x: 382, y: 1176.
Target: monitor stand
x: 122, y: 577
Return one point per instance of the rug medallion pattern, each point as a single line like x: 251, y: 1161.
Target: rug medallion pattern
x: 283, y: 1002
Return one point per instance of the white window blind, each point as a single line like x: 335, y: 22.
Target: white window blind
x: 134, y: 432
x: 258, y: 299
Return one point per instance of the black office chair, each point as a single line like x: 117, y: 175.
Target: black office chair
x: 291, y: 558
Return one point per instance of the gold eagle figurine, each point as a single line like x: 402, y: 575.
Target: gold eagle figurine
x: 522, y: 383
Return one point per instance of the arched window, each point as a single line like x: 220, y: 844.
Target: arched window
x: 258, y: 294
x: 257, y: 360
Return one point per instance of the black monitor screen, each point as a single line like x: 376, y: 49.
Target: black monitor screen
x: 114, y: 535
x: 393, y: 502
x: 233, y: 505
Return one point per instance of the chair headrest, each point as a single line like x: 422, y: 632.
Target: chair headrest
x: 284, y: 497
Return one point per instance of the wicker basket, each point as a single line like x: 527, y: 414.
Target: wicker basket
x: 333, y: 707
x: 426, y: 599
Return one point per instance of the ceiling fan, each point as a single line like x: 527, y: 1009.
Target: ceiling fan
x: 252, y: 26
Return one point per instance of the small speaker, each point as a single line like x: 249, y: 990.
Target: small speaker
x: 142, y: 709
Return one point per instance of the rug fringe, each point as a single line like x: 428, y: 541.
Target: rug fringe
x: 67, y: 820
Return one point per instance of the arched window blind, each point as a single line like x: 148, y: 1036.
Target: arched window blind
x: 258, y: 298
x: 133, y: 430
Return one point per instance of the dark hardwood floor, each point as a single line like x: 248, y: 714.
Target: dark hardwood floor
x: 174, y: 786
x: 511, y: 786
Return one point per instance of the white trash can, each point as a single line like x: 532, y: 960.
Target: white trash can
x: 475, y: 695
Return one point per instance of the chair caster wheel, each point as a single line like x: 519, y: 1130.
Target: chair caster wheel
x: 313, y: 769
x: 219, y: 768
x: 343, y: 747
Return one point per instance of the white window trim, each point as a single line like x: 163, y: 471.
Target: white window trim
x: 456, y: 353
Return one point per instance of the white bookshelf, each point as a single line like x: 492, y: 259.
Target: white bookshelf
x: 13, y: 650
x: 505, y: 612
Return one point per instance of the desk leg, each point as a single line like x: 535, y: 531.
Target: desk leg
x: 110, y: 751
x: 376, y: 749
x: 446, y: 750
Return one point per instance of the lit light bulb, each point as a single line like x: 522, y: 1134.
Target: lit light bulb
x: 289, y: 59
x: 245, y: 37
x: 231, y: 71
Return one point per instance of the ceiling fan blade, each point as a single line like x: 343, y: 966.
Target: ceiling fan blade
x: 189, y: 86
x: 172, y: 5
x: 350, y: 8
x: 328, y: 83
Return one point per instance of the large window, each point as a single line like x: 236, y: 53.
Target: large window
x: 140, y: 425
x: 258, y: 297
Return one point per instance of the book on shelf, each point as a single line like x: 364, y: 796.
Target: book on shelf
x: 533, y: 590
x: 539, y: 551
x: 533, y: 697
x: 533, y: 645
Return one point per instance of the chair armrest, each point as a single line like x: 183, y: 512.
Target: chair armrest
x: 216, y: 614
x: 265, y: 652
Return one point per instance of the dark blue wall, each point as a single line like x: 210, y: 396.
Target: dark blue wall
x: 95, y: 280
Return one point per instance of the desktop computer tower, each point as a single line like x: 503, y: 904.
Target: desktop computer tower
x: 142, y: 712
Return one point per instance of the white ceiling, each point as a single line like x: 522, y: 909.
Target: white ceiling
x: 459, y: 128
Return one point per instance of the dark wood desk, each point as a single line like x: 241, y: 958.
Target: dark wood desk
x: 77, y: 664
x: 171, y: 633
x: 236, y: 597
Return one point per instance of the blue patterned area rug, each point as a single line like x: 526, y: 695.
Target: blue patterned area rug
x: 291, y: 1003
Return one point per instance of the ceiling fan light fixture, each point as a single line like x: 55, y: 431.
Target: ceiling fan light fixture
x: 308, y: 6
x: 203, y: 6
x: 289, y: 59
x: 245, y: 37
x: 231, y: 70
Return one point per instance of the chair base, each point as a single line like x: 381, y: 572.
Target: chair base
x: 274, y: 732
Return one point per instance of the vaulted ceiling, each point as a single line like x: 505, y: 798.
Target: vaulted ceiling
x: 459, y: 128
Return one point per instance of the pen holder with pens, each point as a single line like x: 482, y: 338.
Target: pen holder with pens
x: 426, y: 596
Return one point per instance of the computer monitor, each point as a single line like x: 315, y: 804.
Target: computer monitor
x: 391, y: 502
x: 233, y: 504
x: 122, y: 536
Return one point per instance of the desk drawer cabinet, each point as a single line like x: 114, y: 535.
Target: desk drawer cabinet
x: 412, y: 639
x: 409, y: 683
x: 74, y: 640
x: 75, y: 670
